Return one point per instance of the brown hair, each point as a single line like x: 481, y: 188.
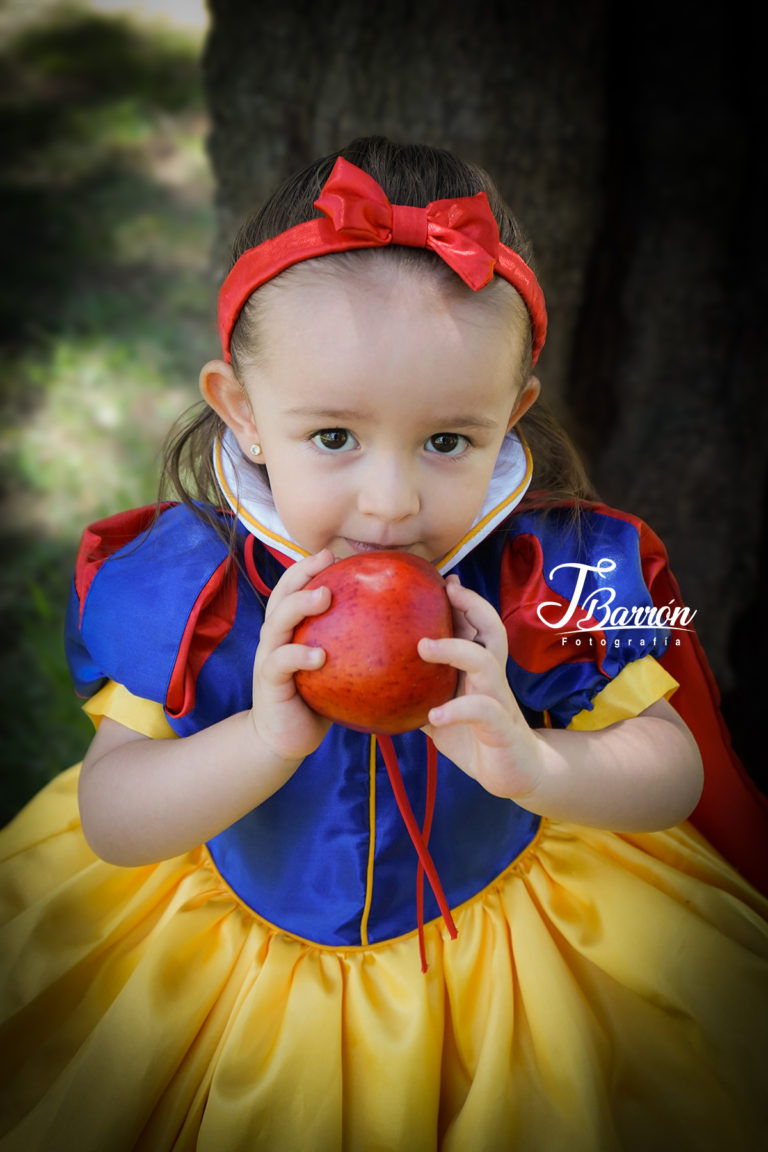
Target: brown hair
x: 412, y: 174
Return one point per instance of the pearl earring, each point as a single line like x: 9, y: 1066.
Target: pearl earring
x: 255, y: 449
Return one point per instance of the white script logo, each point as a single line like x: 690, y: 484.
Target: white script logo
x: 598, y: 612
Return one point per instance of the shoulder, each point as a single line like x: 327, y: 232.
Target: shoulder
x: 151, y: 586
x: 546, y: 548
x: 589, y: 544
x: 147, y: 562
x: 141, y: 537
x: 577, y: 601
x: 578, y: 529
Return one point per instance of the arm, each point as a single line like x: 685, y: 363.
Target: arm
x: 144, y: 800
x: 636, y: 775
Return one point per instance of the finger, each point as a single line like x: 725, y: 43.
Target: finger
x: 279, y: 626
x: 481, y: 622
x: 487, y: 675
x: 468, y: 656
x: 461, y: 626
x: 298, y: 576
x: 488, y: 717
x: 284, y: 662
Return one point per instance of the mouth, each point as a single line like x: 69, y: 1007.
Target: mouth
x: 367, y: 546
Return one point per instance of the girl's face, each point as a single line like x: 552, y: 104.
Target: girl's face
x: 380, y: 404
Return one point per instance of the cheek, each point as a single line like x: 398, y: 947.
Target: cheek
x: 302, y: 504
x: 466, y: 491
x: 463, y: 500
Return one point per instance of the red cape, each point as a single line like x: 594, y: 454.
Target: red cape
x: 732, y: 812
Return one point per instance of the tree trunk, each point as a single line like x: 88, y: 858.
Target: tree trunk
x: 628, y: 153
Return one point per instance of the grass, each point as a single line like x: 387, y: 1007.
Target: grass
x: 106, y: 313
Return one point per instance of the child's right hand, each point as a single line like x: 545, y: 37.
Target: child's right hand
x: 143, y: 800
x: 283, y: 722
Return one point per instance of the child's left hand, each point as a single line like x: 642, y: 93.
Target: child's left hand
x: 482, y: 729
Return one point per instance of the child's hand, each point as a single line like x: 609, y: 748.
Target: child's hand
x: 636, y: 775
x: 282, y: 720
x: 482, y: 729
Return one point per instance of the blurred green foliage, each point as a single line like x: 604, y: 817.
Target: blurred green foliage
x: 106, y: 314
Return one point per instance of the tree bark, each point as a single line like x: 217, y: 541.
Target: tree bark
x: 629, y: 153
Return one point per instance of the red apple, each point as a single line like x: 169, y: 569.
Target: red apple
x: 373, y: 679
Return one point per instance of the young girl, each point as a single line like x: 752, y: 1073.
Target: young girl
x: 237, y: 949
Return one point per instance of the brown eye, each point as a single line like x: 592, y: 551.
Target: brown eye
x: 334, y: 440
x: 447, y: 443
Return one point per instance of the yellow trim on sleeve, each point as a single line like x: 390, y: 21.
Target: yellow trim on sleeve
x: 116, y: 702
x: 639, y: 684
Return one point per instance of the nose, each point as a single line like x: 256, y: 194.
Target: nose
x: 388, y: 490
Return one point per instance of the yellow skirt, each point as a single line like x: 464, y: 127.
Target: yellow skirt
x: 607, y: 992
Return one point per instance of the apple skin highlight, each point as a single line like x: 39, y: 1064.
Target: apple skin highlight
x: 373, y: 679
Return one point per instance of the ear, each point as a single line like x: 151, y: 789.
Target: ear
x: 222, y: 390
x: 528, y: 396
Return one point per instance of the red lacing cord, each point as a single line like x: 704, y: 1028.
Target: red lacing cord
x: 251, y: 569
x: 419, y: 838
x: 429, y: 809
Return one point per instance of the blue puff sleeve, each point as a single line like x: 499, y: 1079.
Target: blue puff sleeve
x: 153, y: 607
x: 576, y: 604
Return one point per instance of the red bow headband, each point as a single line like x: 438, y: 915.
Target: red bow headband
x: 357, y: 214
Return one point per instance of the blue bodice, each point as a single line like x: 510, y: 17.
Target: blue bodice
x: 328, y: 856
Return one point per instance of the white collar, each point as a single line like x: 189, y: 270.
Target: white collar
x: 249, y: 496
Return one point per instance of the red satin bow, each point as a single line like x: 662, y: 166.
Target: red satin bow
x: 463, y: 232
x: 358, y: 214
